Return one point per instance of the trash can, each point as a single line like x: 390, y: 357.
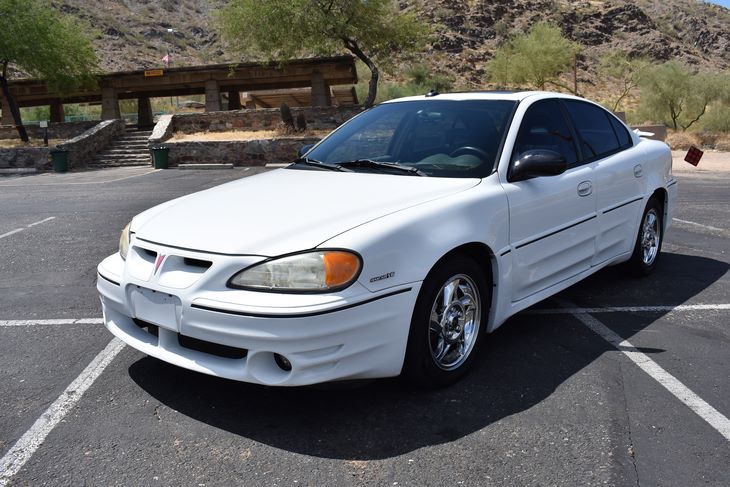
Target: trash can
x: 159, y: 156
x: 60, y: 160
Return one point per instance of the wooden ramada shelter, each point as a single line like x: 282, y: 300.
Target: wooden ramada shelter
x: 320, y: 81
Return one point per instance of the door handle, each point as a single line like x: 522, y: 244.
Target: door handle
x: 585, y: 188
x: 638, y: 171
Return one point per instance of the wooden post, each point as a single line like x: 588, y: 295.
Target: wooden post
x: 7, y: 117
x: 57, y: 115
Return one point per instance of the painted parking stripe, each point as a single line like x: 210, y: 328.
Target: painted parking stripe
x: 62, y: 321
x: 630, y: 309
x: 18, y: 230
x: 23, y: 449
x: 711, y: 415
x: 687, y: 222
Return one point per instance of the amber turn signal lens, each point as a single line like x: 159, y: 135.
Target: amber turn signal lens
x: 340, y: 268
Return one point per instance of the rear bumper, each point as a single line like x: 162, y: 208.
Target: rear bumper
x: 357, y: 337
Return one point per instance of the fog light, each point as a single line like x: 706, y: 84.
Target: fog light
x: 282, y: 362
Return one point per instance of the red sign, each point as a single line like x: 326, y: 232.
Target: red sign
x: 693, y: 156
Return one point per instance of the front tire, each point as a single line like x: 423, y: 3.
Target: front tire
x: 648, y: 244
x: 448, y: 322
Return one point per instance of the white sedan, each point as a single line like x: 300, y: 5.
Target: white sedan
x: 395, y: 244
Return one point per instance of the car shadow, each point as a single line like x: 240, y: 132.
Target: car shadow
x: 519, y: 366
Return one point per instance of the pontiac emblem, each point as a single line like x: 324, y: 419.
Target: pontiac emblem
x: 158, y: 262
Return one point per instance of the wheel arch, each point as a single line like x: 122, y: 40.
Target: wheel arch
x: 662, y: 195
x: 483, y: 255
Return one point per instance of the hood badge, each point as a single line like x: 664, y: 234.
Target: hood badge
x: 158, y: 262
x: 384, y: 276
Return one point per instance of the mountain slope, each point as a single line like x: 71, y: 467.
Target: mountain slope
x: 133, y: 34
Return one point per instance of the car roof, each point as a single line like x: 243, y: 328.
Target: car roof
x: 482, y: 95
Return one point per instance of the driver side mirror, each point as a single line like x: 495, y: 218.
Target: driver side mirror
x: 536, y: 163
x: 304, y: 149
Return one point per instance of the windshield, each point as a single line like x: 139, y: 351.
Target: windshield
x: 441, y: 138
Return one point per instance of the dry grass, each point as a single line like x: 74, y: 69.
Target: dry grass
x: 18, y: 144
x: 243, y: 135
x: 722, y: 143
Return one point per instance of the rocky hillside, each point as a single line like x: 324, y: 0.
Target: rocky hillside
x: 469, y: 31
x: 133, y: 34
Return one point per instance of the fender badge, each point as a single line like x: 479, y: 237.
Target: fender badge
x: 384, y: 276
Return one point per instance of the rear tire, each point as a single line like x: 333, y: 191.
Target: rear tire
x: 448, y: 323
x: 648, y: 243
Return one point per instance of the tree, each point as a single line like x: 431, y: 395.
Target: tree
x: 372, y: 30
x: 537, y: 58
x: 45, y: 45
x: 672, y: 93
x: 626, y: 71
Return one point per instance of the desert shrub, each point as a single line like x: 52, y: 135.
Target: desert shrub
x: 682, y: 140
x: 723, y: 143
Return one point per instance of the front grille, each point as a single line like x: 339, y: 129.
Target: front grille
x: 211, y: 348
x: 151, y: 329
x: 196, y: 344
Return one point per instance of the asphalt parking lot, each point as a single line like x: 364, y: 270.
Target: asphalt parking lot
x: 550, y: 401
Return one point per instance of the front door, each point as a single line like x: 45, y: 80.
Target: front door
x: 552, y: 218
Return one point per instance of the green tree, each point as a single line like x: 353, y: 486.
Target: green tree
x: 536, y: 58
x: 674, y: 94
x: 626, y: 71
x: 372, y: 30
x: 42, y: 43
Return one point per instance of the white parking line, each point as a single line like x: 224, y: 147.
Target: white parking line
x: 630, y: 309
x: 711, y: 415
x: 17, y: 230
x: 62, y: 321
x: 23, y: 449
x: 687, y: 222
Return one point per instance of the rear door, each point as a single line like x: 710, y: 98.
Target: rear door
x: 617, y: 177
x: 552, y: 218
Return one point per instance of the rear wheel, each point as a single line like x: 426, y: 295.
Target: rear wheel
x: 649, y: 240
x: 448, y: 322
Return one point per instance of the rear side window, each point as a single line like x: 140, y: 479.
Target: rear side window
x: 543, y: 127
x: 598, y: 137
x: 623, y: 135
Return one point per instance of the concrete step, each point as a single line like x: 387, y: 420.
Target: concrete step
x: 97, y: 165
x: 138, y: 140
x: 205, y: 166
x: 121, y: 155
x: 127, y: 149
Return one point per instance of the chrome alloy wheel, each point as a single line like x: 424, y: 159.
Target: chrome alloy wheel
x: 454, y: 324
x: 650, y: 235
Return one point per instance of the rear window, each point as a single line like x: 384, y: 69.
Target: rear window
x: 623, y: 135
x: 598, y: 137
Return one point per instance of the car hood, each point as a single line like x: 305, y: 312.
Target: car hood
x: 285, y: 210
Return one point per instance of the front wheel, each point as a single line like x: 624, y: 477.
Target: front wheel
x: 649, y: 241
x: 448, y: 322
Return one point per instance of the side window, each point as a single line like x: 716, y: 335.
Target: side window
x: 623, y: 135
x: 543, y: 127
x: 594, y: 129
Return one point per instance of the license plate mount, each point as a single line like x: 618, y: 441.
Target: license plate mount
x: 156, y: 307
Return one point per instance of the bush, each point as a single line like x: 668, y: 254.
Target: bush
x: 682, y: 140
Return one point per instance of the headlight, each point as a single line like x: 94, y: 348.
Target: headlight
x: 124, y: 239
x: 317, y: 271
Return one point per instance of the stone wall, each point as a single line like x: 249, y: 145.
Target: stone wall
x: 62, y: 131
x: 82, y: 147
x: 318, y: 118
x: 26, y: 157
x: 237, y: 152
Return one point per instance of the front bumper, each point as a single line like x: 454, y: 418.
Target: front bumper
x: 355, y: 335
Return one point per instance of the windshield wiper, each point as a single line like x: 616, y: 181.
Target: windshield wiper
x: 320, y: 164
x: 371, y: 164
